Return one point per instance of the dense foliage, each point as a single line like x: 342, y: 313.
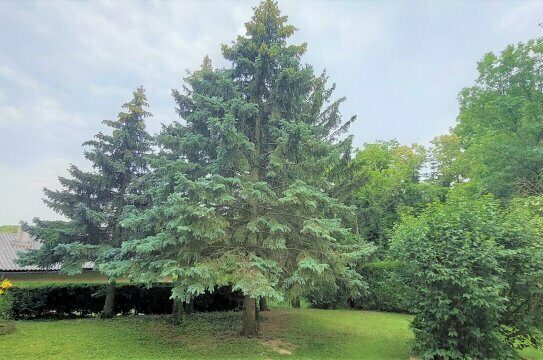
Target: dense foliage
x: 451, y: 253
x: 386, y: 178
x: 521, y: 239
x: 500, y: 122
x: 5, y: 299
x: 389, y: 289
x: 477, y: 271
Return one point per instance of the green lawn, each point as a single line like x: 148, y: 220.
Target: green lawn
x: 26, y: 280
x: 292, y: 334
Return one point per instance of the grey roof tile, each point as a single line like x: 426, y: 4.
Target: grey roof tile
x: 12, y: 243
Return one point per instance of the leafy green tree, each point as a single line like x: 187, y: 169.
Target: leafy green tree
x: 383, y: 181
x: 445, y: 161
x: 93, y: 202
x: 500, y: 123
x: 240, y: 191
x: 477, y: 269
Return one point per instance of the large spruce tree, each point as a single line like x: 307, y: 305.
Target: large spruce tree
x: 240, y: 188
x: 93, y: 202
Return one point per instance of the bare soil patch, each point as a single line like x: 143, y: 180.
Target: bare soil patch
x: 273, y: 322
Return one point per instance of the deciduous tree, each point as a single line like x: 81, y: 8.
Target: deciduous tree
x: 500, y: 124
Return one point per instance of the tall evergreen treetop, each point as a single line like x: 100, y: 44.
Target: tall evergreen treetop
x: 241, y: 188
x: 93, y: 202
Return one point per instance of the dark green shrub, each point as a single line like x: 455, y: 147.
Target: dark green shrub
x: 328, y: 295
x: 451, y: 253
x: 80, y: 300
x: 389, y: 288
x: 6, y: 303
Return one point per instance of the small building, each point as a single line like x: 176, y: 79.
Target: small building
x: 20, y: 241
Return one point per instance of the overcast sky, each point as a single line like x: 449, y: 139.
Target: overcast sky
x: 67, y: 65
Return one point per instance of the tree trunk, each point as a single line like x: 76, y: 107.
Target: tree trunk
x: 249, y: 317
x: 178, y: 311
x: 296, y: 302
x: 109, y: 304
x: 263, y: 304
x: 189, y: 307
x: 249, y: 304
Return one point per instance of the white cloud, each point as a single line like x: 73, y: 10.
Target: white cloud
x: 109, y: 90
x: 42, y: 114
x: 22, y: 185
x: 527, y: 14
x: 21, y: 80
x: 148, y: 39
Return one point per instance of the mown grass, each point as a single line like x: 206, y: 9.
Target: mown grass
x: 29, y: 280
x: 532, y: 354
x: 285, y: 334
x: 9, y: 228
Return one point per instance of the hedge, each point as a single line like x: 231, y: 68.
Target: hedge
x: 81, y: 300
x: 388, y: 290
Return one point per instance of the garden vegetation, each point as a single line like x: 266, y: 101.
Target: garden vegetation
x: 258, y: 187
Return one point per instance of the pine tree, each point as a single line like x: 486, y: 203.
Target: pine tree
x: 93, y: 202
x: 241, y: 188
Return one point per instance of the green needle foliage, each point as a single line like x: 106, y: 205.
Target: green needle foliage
x: 93, y: 202
x: 240, y: 189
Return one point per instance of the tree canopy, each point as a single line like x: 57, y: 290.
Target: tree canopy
x: 500, y: 122
x: 386, y: 177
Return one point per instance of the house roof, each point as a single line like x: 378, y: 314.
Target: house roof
x: 13, y: 243
x: 10, y: 245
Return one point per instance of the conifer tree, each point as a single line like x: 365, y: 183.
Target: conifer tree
x: 240, y: 189
x: 93, y: 202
